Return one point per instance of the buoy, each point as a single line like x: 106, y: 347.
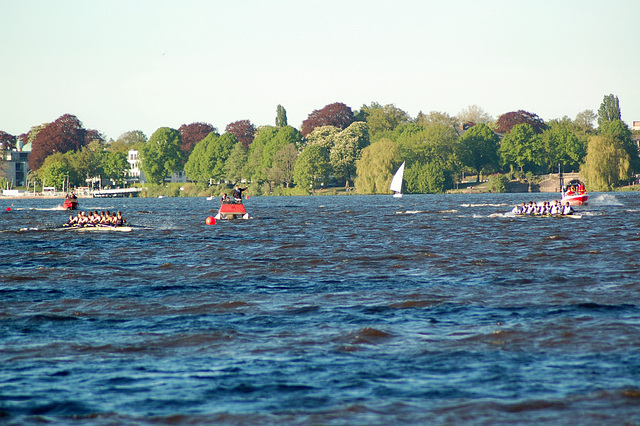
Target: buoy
x: 8, y: 209
x: 211, y: 220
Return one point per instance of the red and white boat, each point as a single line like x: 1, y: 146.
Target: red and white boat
x: 70, y: 203
x: 232, y: 211
x: 574, y: 193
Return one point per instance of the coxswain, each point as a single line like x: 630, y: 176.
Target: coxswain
x: 567, y: 210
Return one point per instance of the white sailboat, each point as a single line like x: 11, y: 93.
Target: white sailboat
x: 396, y: 182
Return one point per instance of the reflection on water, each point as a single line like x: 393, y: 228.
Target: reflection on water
x: 329, y: 310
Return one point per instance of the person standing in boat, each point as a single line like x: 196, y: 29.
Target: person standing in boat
x: 237, y: 193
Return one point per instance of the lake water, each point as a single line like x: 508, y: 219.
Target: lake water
x: 322, y: 310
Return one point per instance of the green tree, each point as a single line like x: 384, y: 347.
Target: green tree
x: 281, y: 116
x: 609, y: 110
x: 376, y: 167
x: 560, y: 145
x: 282, y: 137
x: 478, y: 148
x: 346, y: 150
x: 115, y: 166
x: 312, y: 167
x: 134, y: 139
x: 55, y: 174
x: 585, y: 119
x: 621, y: 132
x: 426, y: 178
x: 87, y: 162
x: 324, y: 136
x: 162, y: 156
x: 437, y: 118
x: 218, y: 151
x: 252, y: 169
x: 235, y: 163
x: 435, y: 143
x: 521, y: 147
x: 283, y: 165
x: 382, y: 119
x: 474, y: 114
x: 607, y: 163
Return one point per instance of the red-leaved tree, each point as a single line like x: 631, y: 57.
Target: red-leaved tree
x: 506, y: 121
x: 64, y: 134
x: 243, y: 130
x: 337, y: 114
x: 7, y: 141
x: 192, y: 134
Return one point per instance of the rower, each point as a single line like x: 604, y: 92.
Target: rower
x: 555, y: 209
x: 516, y: 209
x: 567, y: 210
x: 120, y: 221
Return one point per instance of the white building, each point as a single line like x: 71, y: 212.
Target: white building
x: 15, y: 164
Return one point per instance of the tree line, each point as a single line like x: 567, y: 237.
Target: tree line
x: 337, y: 146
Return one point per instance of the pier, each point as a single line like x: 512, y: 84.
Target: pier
x: 110, y: 193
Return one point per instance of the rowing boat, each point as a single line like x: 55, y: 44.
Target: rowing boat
x: 99, y: 228
x: 570, y: 216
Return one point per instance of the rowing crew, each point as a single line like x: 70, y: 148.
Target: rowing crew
x: 544, y: 209
x: 96, y: 219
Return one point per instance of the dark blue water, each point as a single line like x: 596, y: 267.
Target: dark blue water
x: 322, y: 310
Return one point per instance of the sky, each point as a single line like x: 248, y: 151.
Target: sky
x: 144, y: 64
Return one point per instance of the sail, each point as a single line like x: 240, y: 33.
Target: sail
x: 396, y: 182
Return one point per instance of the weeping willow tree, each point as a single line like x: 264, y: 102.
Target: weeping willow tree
x: 607, y: 163
x: 376, y: 167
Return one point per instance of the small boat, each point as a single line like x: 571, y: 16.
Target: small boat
x: 232, y: 211
x: 70, y: 202
x: 574, y: 193
x: 396, y: 182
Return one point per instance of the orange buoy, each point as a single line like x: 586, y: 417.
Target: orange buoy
x: 211, y: 220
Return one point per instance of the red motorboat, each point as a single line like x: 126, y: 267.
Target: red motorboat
x: 232, y: 211
x: 575, y: 193
x: 70, y: 202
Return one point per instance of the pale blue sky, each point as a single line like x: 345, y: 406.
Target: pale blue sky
x: 140, y: 65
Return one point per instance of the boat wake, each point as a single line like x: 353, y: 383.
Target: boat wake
x: 605, y: 200
x: 484, y: 205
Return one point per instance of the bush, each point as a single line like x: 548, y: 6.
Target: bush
x: 498, y: 183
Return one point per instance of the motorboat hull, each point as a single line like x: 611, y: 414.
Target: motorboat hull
x: 70, y: 204
x: 576, y: 199
x: 232, y: 211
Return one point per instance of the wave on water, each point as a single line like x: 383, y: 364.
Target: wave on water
x: 410, y: 212
x: 605, y: 200
x: 484, y: 205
